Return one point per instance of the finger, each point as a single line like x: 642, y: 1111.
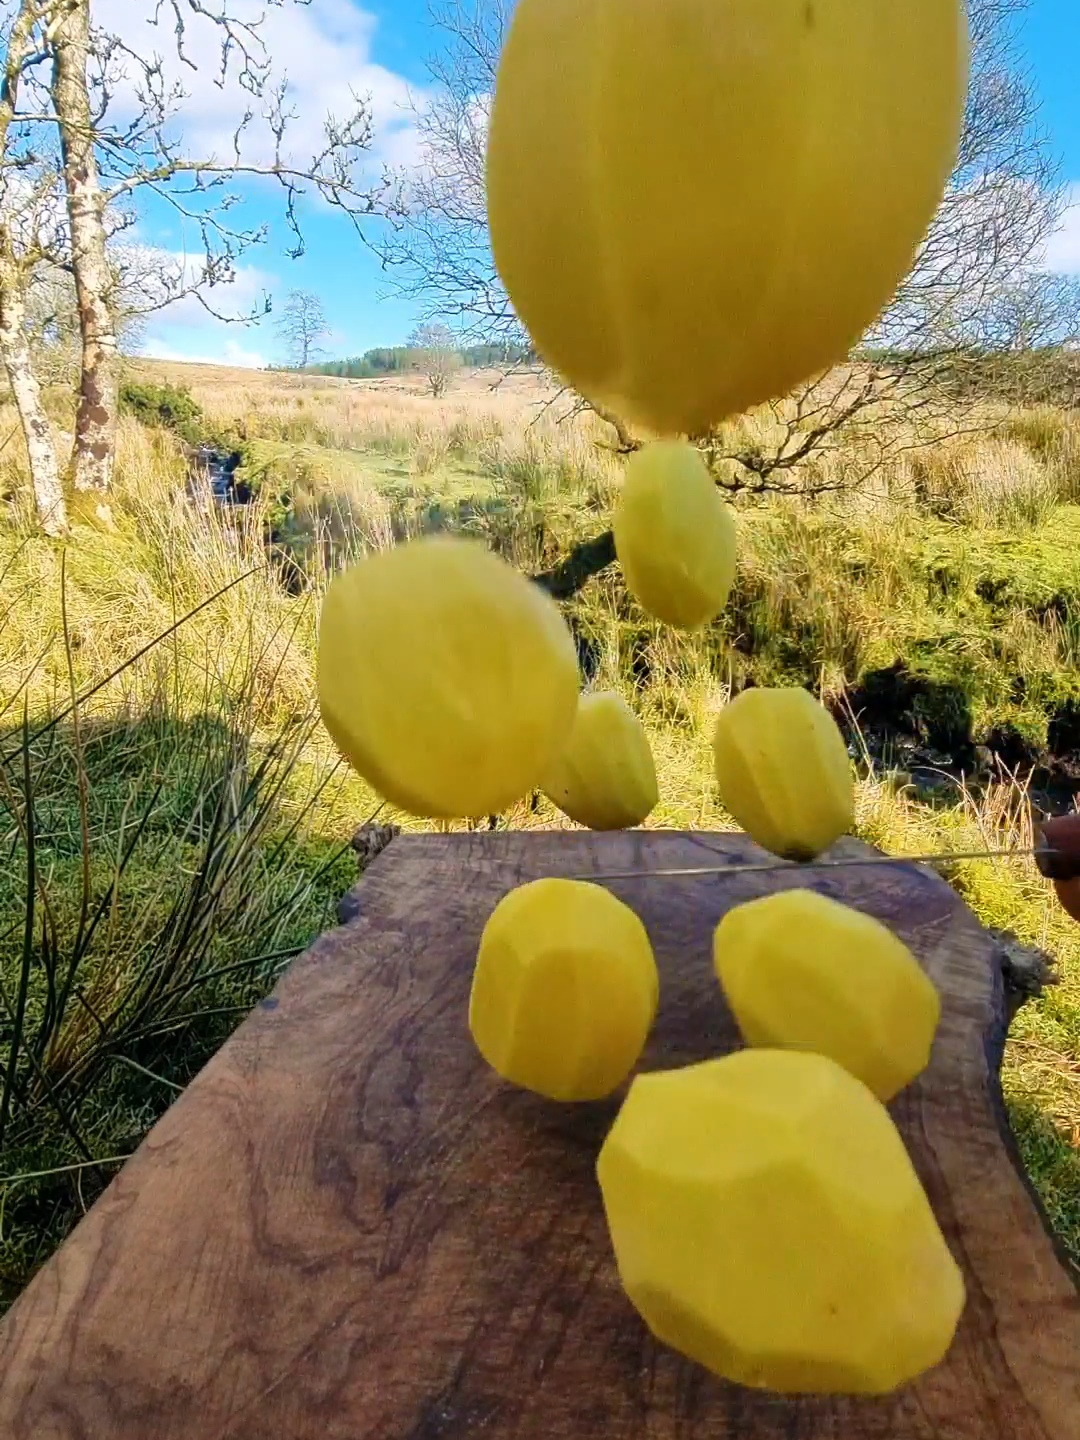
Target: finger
x: 1057, y: 848
x: 1068, y: 892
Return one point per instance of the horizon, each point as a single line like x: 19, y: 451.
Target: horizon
x: 381, y: 48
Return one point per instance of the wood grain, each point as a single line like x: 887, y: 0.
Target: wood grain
x: 347, y: 1229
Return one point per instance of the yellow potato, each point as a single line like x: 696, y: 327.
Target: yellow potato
x: 447, y: 679
x: 696, y: 204
x: 565, y: 990
x: 783, y: 771
x: 802, y: 972
x: 768, y: 1223
x: 675, y: 535
x: 605, y: 777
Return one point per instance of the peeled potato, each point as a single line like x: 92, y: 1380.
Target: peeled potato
x: 803, y: 972
x: 768, y: 1223
x: 675, y: 535
x: 565, y: 990
x: 446, y: 678
x: 696, y: 204
x: 783, y: 771
x: 605, y: 777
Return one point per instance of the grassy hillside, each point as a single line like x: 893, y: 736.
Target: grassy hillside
x: 176, y: 823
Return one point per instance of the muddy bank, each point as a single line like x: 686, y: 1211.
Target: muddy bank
x: 923, y: 729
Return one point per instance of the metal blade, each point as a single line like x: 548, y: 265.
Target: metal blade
x: 800, y: 867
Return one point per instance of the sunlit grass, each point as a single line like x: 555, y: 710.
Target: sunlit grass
x: 973, y: 580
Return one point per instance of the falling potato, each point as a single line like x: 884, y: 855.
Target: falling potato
x: 696, y: 204
x: 447, y: 679
x: 783, y: 771
x: 675, y: 536
x: 604, y: 777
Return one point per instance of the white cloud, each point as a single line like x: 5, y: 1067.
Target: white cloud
x: 323, y: 49
x: 230, y: 353
x: 186, y: 330
x: 1063, y: 250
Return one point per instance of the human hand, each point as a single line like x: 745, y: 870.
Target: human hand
x: 1057, y: 855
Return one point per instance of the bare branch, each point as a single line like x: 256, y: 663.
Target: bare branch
x: 976, y: 287
x: 584, y: 562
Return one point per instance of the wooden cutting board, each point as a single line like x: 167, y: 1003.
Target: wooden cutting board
x: 348, y: 1229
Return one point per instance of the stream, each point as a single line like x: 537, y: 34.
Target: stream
x: 213, y: 476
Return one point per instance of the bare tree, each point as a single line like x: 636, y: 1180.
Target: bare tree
x: 36, y: 428
x: 435, y: 354
x: 113, y: 106
x: 29, y: 205
x: 439, y: 250
x: 52, y: 312
x: 302, y: 326
x: 68, y: 34
x: 52, y: 326
x: 976, y: 283
x: 1039, y: 311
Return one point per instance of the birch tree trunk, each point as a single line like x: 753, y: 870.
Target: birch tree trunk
x: 14, y: 273
x: 95, y: 425
x: 37, y: 431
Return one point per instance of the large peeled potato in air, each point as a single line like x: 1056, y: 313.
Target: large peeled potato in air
x: 768, y: 1223
x: 783, y: 771
x: 447, y: 679
x: 696, y: 204
x: 675, y: 535
x: 565, y: 990
x: 604, y: 777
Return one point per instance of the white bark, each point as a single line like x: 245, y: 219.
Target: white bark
x: 15, y: 270
x: 37, y: 431
x: 95, y: 425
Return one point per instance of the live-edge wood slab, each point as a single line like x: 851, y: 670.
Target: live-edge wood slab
x: 348, y: 1229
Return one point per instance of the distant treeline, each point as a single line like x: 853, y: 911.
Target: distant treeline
x: 398, y: 359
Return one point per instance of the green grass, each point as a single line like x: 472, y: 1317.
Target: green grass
x: 157, y: 876
x: 313, y: 469
x: 181, y: 834
x: 169, y: 839
x: 993, y: 615
x: 824, y: 595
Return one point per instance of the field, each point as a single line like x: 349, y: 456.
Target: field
x: 176, y: 825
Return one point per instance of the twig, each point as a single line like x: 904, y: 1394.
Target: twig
x: 159, y: 1079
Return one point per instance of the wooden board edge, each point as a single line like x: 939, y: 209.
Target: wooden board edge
x: 349, y: 907
x: 995, y: 1042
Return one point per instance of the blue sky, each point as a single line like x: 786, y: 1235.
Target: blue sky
x: 381, y: 46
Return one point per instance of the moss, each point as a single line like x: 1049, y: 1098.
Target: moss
x: 985, y: 624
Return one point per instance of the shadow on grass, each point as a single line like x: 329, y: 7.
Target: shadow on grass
x: 156, y: 876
